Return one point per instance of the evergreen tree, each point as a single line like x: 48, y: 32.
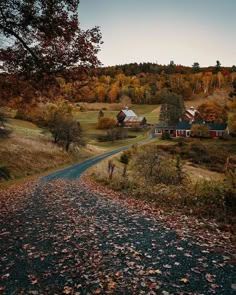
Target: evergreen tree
x: 172, y: 108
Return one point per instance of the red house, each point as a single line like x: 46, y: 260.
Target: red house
x: 183, y: 129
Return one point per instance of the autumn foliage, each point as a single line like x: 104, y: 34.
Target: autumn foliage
x: 106, y: 123
x: 212, y: 112
x: 45, y: 37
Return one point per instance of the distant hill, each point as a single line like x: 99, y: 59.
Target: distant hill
x: 139, y: 83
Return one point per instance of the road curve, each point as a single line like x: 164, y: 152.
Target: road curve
x: 75, y: 171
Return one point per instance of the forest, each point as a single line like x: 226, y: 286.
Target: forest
x: 139, y: 83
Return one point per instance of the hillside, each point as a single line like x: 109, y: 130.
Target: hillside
x: 29, y: 151
x: 133, y: 83
x: 109, y: 89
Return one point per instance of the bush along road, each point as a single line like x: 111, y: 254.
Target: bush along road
x: 59, y: 236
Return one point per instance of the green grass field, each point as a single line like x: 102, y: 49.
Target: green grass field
x: 25, y: 128
x: 150, y: 112
x: 89, y: 118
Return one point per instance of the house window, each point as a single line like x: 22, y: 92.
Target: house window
x: 219, y: 133
x: 188, y: 133
x: 158, y: 131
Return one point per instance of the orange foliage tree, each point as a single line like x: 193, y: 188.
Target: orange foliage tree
x: 212, y: 112
x: 106, y: 123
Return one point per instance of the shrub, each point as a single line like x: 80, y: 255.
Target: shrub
x: 180, y: 141
x: 199, y: 130
x: 198, y: 153
x: 116, y: 134
x: 4, y: 173
x: 106, y: 123
x: 125, y: 157
x: 165, y: 136
x: 5, y: 132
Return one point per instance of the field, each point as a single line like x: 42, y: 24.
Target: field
x: 30, y: 151
x: 90, y: 113
x: 89, y: 118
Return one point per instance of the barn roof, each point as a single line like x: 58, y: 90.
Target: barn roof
x: 192, y: 111
x: 133, y: 119
x: 129, y: 113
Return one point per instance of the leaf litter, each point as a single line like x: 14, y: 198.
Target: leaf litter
x: 76, y: 237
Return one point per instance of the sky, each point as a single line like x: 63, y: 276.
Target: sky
x: 160, y: 31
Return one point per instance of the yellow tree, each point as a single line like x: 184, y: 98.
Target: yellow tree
x: 232, y: 115
x: 101, y: 92
x: 125, y: 101
x: 113, y: 93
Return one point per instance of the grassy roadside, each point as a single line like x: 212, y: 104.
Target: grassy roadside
x: 29, y: 151
x: 203, y: 191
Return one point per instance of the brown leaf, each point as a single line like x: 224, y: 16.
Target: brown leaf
x: 111, y: 285
x: 184, y: 280
x: 97, y: 291
x: 67, y: 290
x: 233, y: 286
x: 209, y: 278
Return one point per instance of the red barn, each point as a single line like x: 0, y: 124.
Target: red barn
x: 128, y: 118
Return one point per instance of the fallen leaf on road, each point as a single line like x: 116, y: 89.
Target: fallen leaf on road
x: 184, y: 280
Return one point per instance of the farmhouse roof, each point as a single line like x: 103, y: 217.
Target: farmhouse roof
x: 165, y: 126
x: 217, y: 126
x: 184, y: 125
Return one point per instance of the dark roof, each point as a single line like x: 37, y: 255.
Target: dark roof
x: 217, y: 126
x: 163, y: 125
x: 184, y: 125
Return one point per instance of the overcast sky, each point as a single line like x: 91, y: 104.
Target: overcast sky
x: 185, y: 31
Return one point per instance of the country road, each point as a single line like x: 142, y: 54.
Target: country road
x: 75, y: 171
x: 61, y: 237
